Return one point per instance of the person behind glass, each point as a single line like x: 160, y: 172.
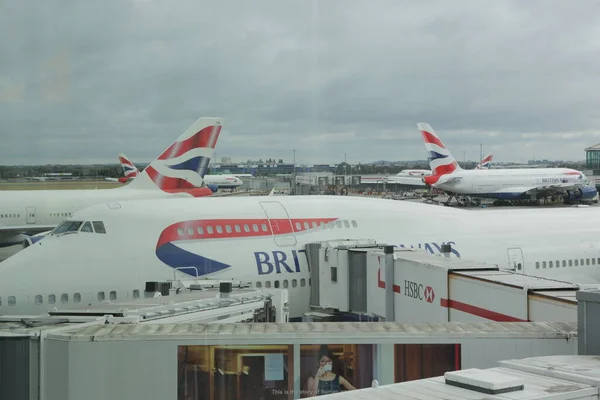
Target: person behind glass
x: 325, y: 381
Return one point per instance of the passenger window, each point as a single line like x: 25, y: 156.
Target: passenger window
x: 191, y: 231
x: 259, y: 284
x: 228, y: 228
x: 330, y: 224
x: 77, y: 297
x: 593, y: 261
x: 87, y: 227
x: 338, y: 223
x: 209, y: 229
x: 101, y: 296
x: 99, y: 227
x: 298, y: 227
x: 255, y: 227
x: 314, y: 225
x: 537, y: 265
x: 64, y: 298
x: 12, y: 300
x: 347, y: 224
x: 294, y: 282
x: 219, y: 229
x: 264, y: 228
x: 237, y: 228
x: 322, y: 225
x: 550, y: 264
x: 582, y: 264
x: 200, y: 230
x: 570, y: 263
x: 576, y: 262
x: 354, y: 224
x: 38, y: 299
x: 52, y: 298
x: 268, y: 284
x: 113, y: 295
x: 587, y: 261
x: 306, y: 225
x: 246, y: 228
x: 180, y: 231
x: 276, y: 284
x: 564, y: 263
x: 136, y: 294
x: 285, y: 284
x: 302, y: 282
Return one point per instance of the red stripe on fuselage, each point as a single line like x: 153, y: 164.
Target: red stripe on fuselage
x: 246, y: 228
x: 431, y: 139
x: 205, y: 138
x: 479, y: 312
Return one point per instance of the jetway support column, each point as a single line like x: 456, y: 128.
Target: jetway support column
x: 389, y: 283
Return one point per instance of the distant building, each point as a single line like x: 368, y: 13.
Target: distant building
x: 592, y: 158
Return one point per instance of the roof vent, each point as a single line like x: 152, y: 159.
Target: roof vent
x: 484, y: 381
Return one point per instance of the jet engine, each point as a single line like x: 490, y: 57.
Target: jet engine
x: 586, y: 193
x: 214, y: 188
x: 33, y: 239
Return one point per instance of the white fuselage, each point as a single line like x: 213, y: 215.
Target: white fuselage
x: 40, y: 210
x: 223, y: 181
x: 92, y: 266
x: 511, y: 183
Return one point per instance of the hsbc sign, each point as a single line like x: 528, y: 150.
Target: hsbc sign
x: 418, y: 291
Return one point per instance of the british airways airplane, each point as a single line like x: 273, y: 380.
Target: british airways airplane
x: 506, y: 184
x: 177, y: 172
x: 109, y: 251
x: 415, y: 176
x: 213, y: 182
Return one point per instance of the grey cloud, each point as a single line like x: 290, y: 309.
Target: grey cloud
x: 87, y: 80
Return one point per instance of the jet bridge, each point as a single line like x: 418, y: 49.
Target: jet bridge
x: 353, y: 276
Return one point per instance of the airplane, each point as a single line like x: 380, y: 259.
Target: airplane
x: 502, y: 184
x: 27, y: 215
x: 213, y: 182
x: 109, y: 251
x: 415, y: 176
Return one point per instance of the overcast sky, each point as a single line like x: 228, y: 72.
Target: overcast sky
x: 81, y: 81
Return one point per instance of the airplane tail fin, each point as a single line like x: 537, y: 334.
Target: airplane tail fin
x: 184, y: 163
x: 486, y: 162
x: 441, y: 161
x: 129, y: 170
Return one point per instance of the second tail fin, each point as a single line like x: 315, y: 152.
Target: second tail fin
x: 486, y: 162
x: 441, y: 161
x: 184, y: 163
x: 129, y: 170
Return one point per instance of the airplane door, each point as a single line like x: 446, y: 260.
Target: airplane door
x: 515, y: 260
x: 281, y: 226
x: 30, y: 215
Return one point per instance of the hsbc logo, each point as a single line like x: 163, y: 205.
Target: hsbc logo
x: 429, y: 294
x: 418, y: 291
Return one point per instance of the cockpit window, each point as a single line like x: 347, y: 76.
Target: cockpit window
x: 87, y: 227
x: 67, y: 226
x: 99, y: 227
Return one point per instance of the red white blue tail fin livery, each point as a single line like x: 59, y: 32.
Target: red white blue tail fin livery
x: 184, y: 163
x: 486, y: 163
x: 440, y: 159
x: 130, y: 171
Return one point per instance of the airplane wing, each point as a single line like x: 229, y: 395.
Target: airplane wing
x: 25, y: 229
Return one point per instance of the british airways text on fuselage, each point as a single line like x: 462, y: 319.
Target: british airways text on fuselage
x: 288, y: 261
